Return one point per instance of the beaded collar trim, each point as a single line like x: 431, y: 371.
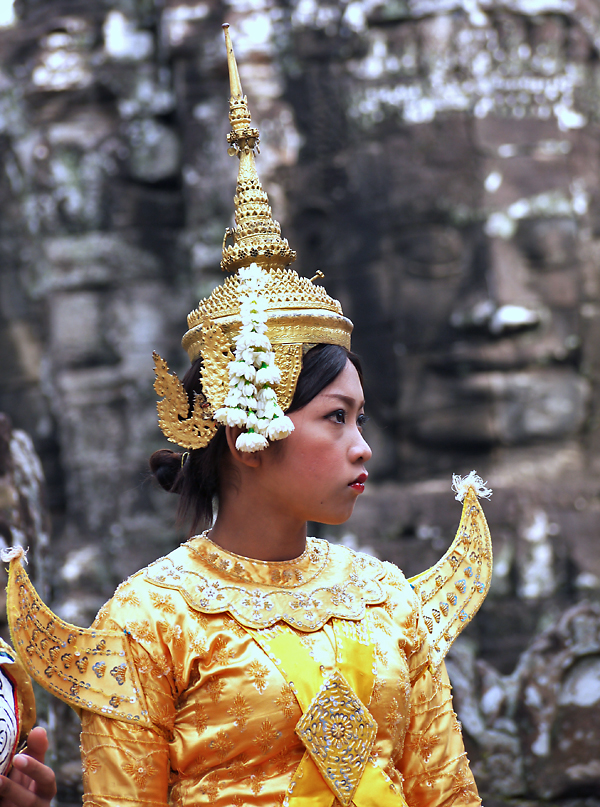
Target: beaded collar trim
x: 325, y: 581
x: 283, y: 573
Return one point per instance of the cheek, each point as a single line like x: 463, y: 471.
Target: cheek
x: 306, y: 464
x: 308, y: 460
x: 318, y: 463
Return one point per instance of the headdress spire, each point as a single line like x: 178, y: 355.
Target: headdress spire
x: 253, y: 330
x: 235, y: 84
x: 256, y: 235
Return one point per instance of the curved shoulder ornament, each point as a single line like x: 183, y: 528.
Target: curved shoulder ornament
x: 88, y: 669
x: 451, y: 592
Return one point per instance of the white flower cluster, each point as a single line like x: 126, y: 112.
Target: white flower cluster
x: 252, y: 402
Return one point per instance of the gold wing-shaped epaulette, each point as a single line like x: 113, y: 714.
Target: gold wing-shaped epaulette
x: 89, y: 669
x: 452, y: 591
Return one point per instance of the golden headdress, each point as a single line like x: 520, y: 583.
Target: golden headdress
x: 297, y: 313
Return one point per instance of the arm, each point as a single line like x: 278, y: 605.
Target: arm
x: 433, y: 763
x: 118, y: 675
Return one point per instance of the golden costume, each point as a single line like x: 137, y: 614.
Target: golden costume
x: 211, y: 678
x: 193, y: 679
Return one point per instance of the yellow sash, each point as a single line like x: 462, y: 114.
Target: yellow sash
x: 309, y: 787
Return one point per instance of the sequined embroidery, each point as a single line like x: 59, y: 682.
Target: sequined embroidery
x: 305, y: 606
x: 338, y: 733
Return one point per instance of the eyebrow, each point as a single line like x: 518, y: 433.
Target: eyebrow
x: 345, y: 398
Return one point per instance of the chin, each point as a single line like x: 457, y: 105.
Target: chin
x: 333, y: 519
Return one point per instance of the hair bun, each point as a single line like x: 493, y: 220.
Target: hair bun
x: 166, y: 466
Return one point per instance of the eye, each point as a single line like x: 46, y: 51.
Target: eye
x: 432, y: 251
x: 361, y: 420
x: 339, y: 416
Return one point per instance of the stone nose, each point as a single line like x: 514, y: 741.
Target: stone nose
x: 498, y: 320
x: 509, y: 318
x: 502, y: 300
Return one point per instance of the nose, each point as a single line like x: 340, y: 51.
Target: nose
x: 513, y: 318
x: 501, y: 301
x: 360, y: 450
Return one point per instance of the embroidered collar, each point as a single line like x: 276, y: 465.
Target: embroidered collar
x: 283, y: 573
x: 325, y: 581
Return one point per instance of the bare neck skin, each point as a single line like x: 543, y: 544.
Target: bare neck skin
x: 255, y: 529
x: 254, y: 519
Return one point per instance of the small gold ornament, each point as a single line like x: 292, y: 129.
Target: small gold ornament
x: 216, y: 355
x: 195, y: 431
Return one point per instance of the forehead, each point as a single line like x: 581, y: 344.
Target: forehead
x: 517, y: 59
x: 345, y: 385
x: 480, y: 93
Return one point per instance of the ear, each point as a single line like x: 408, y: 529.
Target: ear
x: 251, y: 459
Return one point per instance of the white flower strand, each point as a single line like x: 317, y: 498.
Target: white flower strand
x: 252, y: 402
x: 461, y: 485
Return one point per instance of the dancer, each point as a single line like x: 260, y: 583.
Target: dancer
x: 254, y: 665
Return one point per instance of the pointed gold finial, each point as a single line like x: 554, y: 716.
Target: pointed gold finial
x: 256, y: 235
x: 234, y: 77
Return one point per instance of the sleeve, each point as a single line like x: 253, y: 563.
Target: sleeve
x: 124, y: 764
x: 433, y: 762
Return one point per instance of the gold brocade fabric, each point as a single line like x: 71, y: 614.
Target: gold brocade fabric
x: 223, y: 716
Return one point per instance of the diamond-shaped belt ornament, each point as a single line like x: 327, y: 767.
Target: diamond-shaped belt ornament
x: 338, y: 731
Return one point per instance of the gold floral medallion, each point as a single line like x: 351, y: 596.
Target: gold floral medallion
x: 338, y: 732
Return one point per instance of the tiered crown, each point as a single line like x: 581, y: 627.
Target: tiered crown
x: 299, y: 312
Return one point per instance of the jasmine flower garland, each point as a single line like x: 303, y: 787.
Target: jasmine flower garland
x: 252, y: 401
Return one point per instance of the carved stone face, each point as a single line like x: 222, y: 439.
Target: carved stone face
x: 459, y: 236
x: 489, y: 288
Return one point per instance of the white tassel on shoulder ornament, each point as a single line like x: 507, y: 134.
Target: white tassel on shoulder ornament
x: 461, y: 485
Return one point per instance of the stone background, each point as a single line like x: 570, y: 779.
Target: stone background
x: 439, y: 161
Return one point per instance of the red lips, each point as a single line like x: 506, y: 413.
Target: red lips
x: 359, y: 483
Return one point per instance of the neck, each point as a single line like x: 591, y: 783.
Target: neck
x: 261, y: 533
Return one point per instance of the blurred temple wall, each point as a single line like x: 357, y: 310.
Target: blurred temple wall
x: 439, y: 162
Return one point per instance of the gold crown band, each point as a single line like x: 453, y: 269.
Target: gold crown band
x: 283, y: 328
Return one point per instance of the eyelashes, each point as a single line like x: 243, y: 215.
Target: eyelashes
x: 339, y: 416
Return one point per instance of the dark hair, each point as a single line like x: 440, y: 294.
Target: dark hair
x: 195, y: 475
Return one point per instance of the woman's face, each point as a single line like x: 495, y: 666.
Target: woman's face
x: 318, y: 472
